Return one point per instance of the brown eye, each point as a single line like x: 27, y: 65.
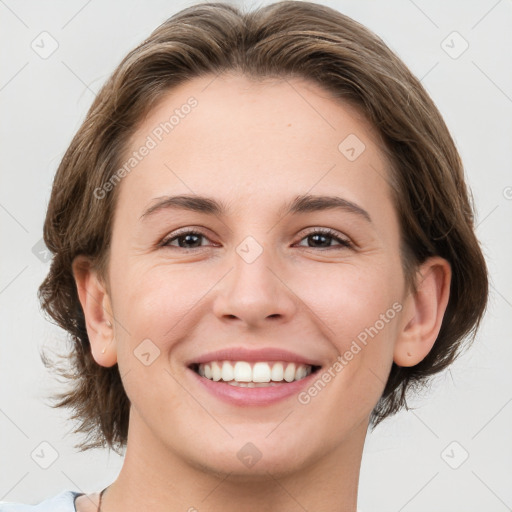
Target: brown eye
x: 185, y: 240
x: 319, y: 239
x: 322, y: 238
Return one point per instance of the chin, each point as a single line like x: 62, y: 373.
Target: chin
x: 249, y: 457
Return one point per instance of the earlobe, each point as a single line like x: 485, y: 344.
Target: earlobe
x: 423, y: 312
x: 97, y: 308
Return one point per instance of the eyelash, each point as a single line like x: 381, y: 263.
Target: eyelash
x: 343, y: 243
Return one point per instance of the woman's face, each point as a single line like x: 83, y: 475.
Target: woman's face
x: 259, y: 277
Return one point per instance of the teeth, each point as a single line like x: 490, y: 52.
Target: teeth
x: 260, y: 374
x: 289, y: 373
x: 243, y: 372
x: 216, y: 371
x: 277, y: 372
x: 227, y: 371
x: 301, y: 372
x: 252, y: 384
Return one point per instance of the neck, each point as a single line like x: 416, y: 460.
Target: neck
x: 154, y: 477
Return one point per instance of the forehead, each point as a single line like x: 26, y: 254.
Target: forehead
x: 232, y: 136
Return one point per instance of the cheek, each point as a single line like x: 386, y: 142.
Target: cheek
x: 343, y: 300
x: 147, y: 291
x: 154, y: 306
x: 349, y: 299
x: 359, y: 309
x: 162, y: 302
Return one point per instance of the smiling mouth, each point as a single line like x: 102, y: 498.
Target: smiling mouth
x: 253, y: 374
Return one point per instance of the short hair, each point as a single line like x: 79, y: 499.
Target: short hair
x: 283, y: 40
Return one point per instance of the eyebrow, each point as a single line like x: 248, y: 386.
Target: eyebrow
x: 300, y: 204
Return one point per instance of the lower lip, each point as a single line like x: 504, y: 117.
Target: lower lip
x: 252, y: 396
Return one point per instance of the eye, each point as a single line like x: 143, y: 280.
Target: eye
x: 187, y: 239
x: 321, y: 239
x: 191, y: 239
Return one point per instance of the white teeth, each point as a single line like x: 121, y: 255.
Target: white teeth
x: 243, y: 372
x: 260, y: 374
x: 277, y: 372
x: 227, y: 371
x: 289, y: 373
x: 301, y: 372
x: 216, y: 371
x: 254, y: 384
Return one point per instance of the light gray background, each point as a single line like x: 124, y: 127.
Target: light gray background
x: 43, y: 101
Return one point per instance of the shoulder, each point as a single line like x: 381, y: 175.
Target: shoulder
x: 63, y: 502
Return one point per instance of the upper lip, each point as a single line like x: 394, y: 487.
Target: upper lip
x: 246, y: 354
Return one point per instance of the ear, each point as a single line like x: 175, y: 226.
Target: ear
x: 97, y: 308
x: 423, y: 312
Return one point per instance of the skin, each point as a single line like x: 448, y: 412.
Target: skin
x: 254, y: 146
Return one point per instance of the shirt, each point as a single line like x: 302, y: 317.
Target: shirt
x: 63, y: 502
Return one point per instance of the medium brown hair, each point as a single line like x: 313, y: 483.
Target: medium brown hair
x: 282, y: 40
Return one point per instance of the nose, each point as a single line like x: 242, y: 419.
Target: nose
x: 255, y: 293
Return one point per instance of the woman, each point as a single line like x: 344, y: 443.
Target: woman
x: 262, y: 239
